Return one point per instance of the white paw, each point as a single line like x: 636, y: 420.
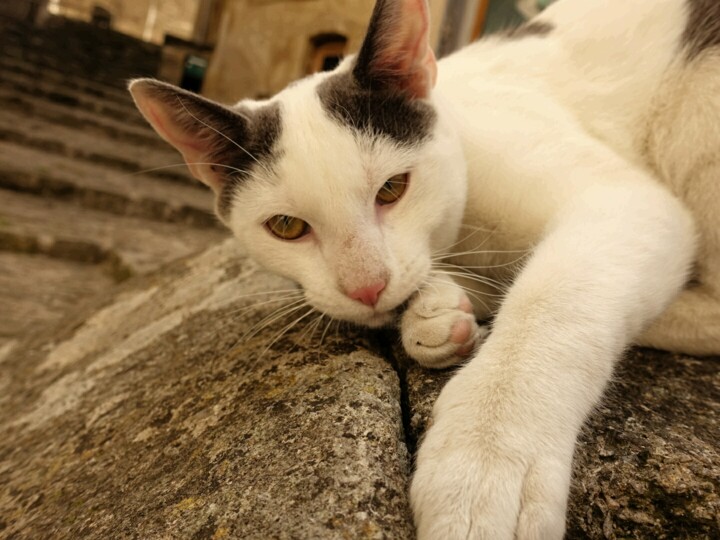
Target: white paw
x: 487, y: 475
x: 438, y: 328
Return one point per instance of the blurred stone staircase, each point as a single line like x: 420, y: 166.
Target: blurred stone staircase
x: 89, y: 195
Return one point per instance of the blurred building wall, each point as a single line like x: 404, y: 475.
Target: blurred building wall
x: 149, y: 20
x: 262, y: 45
x: 27, y: 10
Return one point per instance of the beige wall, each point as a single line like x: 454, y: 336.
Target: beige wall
x: 265, y: 44
x: 261, y: 45
x: 144, y: 19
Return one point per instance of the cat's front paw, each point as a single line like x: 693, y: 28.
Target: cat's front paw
x: 488, y: 478
x: 439, y: 329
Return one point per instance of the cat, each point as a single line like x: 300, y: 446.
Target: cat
x: 563, y: 177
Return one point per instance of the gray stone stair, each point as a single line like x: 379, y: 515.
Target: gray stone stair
x: 158, y: 412
x: 53, y: 254
x: 37, y: 290
x: 74, y: 47
x: 86, y: 146
x: 76, y: 82
x: 89, y: 195
x: 38, y: 87
x: 90, y: 123
x: 137, y: 246
x: 95, y: 186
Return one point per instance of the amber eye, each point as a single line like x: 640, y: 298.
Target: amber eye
x: 393, y: 189
x: 287, y: 227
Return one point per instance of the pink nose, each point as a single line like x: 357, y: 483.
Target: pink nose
x: 368, y: 295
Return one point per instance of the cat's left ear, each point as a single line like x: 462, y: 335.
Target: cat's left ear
x: 202, y: 130
x: 396, y: 55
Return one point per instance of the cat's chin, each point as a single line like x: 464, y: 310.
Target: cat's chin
x: 379, y: 320
x: 375, y: 320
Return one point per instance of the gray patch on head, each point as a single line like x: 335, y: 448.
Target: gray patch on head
x: 530, y: 29
x: 406, y: 121
x: 703, y: 27
x: 258, y: 136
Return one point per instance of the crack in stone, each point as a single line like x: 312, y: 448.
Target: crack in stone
x: 384, y: 342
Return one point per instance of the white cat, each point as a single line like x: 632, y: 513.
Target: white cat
x: 584, y: 149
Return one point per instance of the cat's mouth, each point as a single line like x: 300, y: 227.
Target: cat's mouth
x: 379, y: 319
x: 388, y: 316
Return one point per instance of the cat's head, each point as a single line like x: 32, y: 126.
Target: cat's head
x: 346, y: 182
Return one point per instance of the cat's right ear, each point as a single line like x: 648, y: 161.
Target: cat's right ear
x: 396, y: 55
x: 200, y: 129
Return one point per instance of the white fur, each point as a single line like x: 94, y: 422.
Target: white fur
x: 330, y: 180
x: 577, y: 145
x: 579, y: 157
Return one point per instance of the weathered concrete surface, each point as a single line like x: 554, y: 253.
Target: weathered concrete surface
x: 36, y: 290
x: 648, y: 462
x: 152, y: 417
x: 89, y: 195
x: 32, y: 224
x: 149, y: 415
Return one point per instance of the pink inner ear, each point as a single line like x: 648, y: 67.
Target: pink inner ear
x: 169, y: 131
x: 192, y: 149
x: 408, y: 51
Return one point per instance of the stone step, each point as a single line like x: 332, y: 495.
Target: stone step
x: 36, y: 290
x: 28, y: 86
x: 100, y: 72
x: 92, y: 186
x: 57, y: 139
x: 32, y: 107
x: 77, y: 82
x: 128, y: 245
x: 240, y: 438
x: 76, y: 47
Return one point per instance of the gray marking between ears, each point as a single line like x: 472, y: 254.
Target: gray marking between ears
x: 703, y: 27
x: 530, y: 29
x: 406, y: 121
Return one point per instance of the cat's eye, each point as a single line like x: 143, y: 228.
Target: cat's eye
x: 392, y: 190
x: 287, y: 227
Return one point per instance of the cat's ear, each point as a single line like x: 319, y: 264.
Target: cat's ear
x: 396, y: 55
x: 199, y: 128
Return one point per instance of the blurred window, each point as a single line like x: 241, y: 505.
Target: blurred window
x: 326, y: 52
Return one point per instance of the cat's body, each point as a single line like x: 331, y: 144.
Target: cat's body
x: 632, y: 76
x: 584, y: 150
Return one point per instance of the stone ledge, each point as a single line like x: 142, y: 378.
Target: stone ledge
x: 648, y: 461
x: 151, y: 418
x: 146, y: 415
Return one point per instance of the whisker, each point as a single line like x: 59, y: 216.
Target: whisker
x: 285, y: 330
x: 217, y: 131
x: 501, y: 287
x: 255, y: 305
x: 479, y: 252
x: 274, y: 316
x: 322, y: 337
x: 476, y: 228
x: 317, y: 325
x: 483, y: 267
x: 183, y: 164
x: 311, y: 326
x: 474, y: 293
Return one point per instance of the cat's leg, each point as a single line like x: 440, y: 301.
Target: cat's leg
x: 496, y: 462
x: 691, y: 325
x: 439, y: 328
